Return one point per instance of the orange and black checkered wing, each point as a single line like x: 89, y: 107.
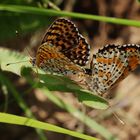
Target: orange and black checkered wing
x: 64, y: 35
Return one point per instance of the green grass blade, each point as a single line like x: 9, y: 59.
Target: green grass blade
x: 4, y: 80
x: 13, y: 119
x: 42, y: 11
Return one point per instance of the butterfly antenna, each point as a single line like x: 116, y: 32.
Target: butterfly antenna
x: 36, y: 69
x: 28, y: 52
x: 117, y: 117
x: 17, y: 34
x: 21, y: 61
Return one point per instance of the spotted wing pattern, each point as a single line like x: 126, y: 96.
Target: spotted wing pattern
x: 64, y: 35
x: 50, y: 59
x: 111, y: 65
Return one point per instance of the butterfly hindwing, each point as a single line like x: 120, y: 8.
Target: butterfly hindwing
x: 51, y: 60
x: 112, y: 64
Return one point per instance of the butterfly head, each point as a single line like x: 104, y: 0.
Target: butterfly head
x: 33, y: 61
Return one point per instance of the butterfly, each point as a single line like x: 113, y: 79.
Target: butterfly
x: 63, y: 49
x: 110, y: 65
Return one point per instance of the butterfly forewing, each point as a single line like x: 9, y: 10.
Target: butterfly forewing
x: 64, y: 35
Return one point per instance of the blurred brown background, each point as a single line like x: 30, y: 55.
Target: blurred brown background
x: 126, y: 95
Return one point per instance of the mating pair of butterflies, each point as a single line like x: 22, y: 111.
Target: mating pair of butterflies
x: 65, y: 51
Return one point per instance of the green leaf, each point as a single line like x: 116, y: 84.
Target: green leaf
x: 91, y: 100
x: 13, y: 119
x: 63, y: 84
x: 7, y: 56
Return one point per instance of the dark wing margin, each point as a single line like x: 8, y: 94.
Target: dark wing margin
x: 64, y: 35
